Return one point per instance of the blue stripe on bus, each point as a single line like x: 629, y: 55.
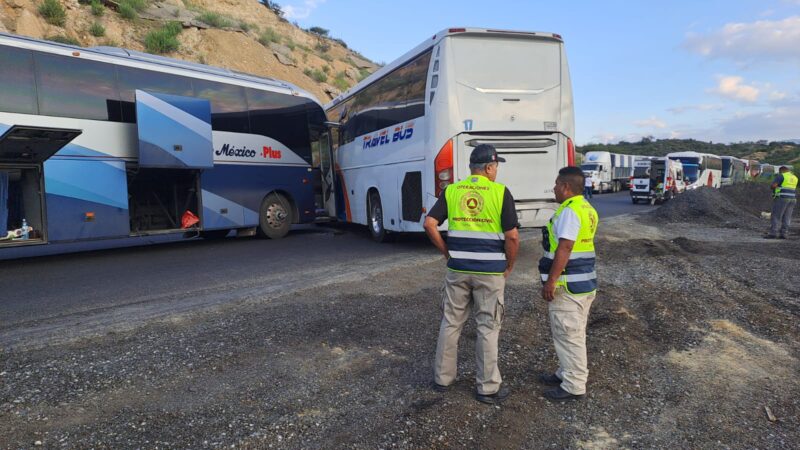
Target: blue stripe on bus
x: 159, y: 133
x: 66, y: 219
x: 79, y: 150
x: 101, y: 182
x: 254, y: 182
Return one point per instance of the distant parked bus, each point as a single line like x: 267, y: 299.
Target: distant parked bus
x: 734, y: 170
x: 767, y: 171
x: 700, y: 169
x: 406, y: 132
x: 105, y: 143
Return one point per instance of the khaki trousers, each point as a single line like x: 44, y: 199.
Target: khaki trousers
x: 462, y: 293
x: 568, y: 316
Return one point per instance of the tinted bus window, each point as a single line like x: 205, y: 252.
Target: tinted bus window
x: 77, y: 88
x: 131, y: 79
x: 397, y: 97
x: 228, y: 105
x: 283, y: 118
x: 416, y: 75
x: 18, y: 93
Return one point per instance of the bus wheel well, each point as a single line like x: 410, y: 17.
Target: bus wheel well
x: 292, y: 203
x: 370, y: 191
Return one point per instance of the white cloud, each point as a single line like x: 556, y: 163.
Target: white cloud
x: 700, y: 107
x: 733, y: 88
x: 762, y: 40
x: 292, y: 12
x: 652, y: 122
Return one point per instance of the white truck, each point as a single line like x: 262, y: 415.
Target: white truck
x: 656, y: 180
x: 609, y: 172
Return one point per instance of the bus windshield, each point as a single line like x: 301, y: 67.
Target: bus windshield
x: 691, y: 172
x: 726, y: 168
x: 640, y: 172
x: 590, y: 167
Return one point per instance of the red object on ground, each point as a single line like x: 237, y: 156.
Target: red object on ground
x: 189, y: 220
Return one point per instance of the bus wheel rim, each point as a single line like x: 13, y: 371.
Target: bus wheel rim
x: 375, y: 219
x: 276, y: 215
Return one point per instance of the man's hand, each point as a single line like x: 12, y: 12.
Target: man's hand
x: 549, y: 290
x: 431, y: 226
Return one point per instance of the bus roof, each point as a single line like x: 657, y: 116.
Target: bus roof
x: 691, y: 154
x: 148, y: 60
x: 428, y: 43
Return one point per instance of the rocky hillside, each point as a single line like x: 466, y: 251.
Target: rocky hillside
x: 243, y: 35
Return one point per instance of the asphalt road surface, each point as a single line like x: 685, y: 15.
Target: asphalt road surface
x: 62, y: 296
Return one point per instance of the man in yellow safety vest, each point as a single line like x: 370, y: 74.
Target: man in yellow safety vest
x: 784, y: 188
x: 569, y: 283
x: 481, y: 248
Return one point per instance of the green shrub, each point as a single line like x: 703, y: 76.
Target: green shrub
x: 341, y: 83
x: 84, y: 2
x: 326, y: 69
x: 164, y: 39
x: 63, y: 39
x: 53, y: 12
x: 173, y: 27
x: 215, y: 20
x: 97, y: 29
x: 322, y: 47
x: 97, y: 8
x: 127, y: 11
x: 290, y: 43
x: 363, y: 73
x: 318, y: 75
x: 245, y: 26
x: 267, y: 36
x: 307, y: 72
x: 138, y: 5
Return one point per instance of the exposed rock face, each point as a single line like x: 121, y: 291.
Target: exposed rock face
x: 235, y: 46
x: 29, y: 24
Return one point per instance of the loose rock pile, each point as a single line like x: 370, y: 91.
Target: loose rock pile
x: 737, y: 206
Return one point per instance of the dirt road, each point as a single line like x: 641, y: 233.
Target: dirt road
x: 694, y: 334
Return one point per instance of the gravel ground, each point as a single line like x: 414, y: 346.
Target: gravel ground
x: 693, y: 337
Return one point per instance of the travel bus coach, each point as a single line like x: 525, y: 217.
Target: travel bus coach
x: 104, y: 143
x: 406, y: 132
x: 699, y: 169
x: 734, y: 170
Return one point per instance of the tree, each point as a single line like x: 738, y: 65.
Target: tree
x: 319, y: 30
x: 274, y: 7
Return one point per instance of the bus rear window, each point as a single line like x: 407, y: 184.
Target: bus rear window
x: 517, y: 63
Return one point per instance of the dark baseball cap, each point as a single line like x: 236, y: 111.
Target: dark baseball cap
x: 484, y: 153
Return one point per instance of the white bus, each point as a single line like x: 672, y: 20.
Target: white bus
x: 406, y: 131
x: 700, y: 169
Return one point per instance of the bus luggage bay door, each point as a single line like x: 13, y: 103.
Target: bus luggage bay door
x: 175, y: 145
x: 23, y: 151
x: 174, y: 131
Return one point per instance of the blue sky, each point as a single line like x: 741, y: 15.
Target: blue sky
x: 724, y: 71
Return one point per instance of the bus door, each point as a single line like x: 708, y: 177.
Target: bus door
x: 23, y: 151
x: 328, y: 174
x: 175, y: 144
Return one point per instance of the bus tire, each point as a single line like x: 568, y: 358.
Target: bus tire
x: 634, y: 200
x: 214, y: 235
x: 275, y: 216
x: 375, y: 218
